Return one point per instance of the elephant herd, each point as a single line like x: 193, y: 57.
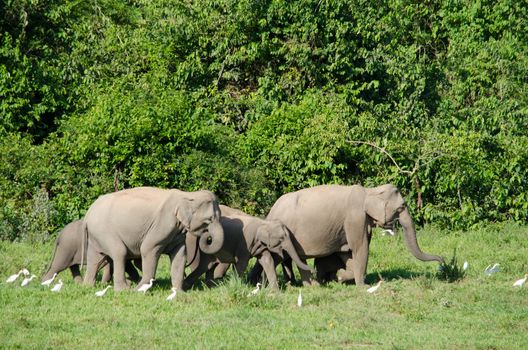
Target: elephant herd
x: 128, y: 230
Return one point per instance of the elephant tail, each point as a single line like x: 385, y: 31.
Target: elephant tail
x: 84, y: 242
x: 50, y: 265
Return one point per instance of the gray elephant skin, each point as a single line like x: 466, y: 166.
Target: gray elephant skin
x: 145, y: 222
x: 332, y: 219
x: 245, y: 236
x: 68, y: 253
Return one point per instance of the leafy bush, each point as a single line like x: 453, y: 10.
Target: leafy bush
x: 252, y: 99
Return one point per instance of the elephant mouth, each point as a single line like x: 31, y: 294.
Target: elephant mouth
x: 389, y: 225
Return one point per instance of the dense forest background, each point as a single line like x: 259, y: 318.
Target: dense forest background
x: 252, y: 99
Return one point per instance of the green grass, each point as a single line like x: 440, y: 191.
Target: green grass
x: 413, y: 309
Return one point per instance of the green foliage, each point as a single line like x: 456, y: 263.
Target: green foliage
x: 451, y: 271
x: 251, y: 99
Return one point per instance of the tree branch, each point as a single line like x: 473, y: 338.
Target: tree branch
x: 383, y: 150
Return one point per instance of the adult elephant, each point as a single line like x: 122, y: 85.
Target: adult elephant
x: 146, y: 222
x: 245, y: 236
x: 69, y: 253
x: 335, y: 219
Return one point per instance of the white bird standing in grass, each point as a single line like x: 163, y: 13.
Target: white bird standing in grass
x: 146, y: 286
x: 14, y: 277
x: 465, y: 266
x: 256, y: 290
x: 26, y: 280
x: 57, y: 287
x: 374, y: 288
x: 173, y: 294
x: 299, y: 299
x: 519, y: 283
x: 491, y: 270
x: 48, y: 282
x: 388, y: 231
x: 102, y: 292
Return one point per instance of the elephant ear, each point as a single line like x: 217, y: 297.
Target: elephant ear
x: 383, y: 203
x: 184, y: 212
x: 268, y: 238
x: 376, y: 205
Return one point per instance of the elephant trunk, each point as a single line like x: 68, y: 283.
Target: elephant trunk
x: 287, y: 245
x: 410, y: 239
x: 213, y: 239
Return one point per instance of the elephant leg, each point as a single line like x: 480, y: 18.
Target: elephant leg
x: 118, y: 262
x: 241, y: 265
x: 149, y: 262
x: 178, y: 258
x: 255, y: 274
x: 266, y: 260
x: 345, y: 273
x: 209, y: 276
x: 131, y: 271
x: 307, y: 276
x: 359, y: 244
x: 220, y: 270
x: 93, y: 263
x: 200, y: 268
x: 76, y: 273
x: 108, y: 271
x: 287, y: 270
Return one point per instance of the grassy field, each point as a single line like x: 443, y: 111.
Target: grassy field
x: 413, y: 309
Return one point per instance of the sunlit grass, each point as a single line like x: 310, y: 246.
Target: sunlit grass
x: 413, y: 308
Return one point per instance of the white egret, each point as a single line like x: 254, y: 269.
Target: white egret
x: 389, y: 231
x: 57, y: 287
x: 519, y: 283
x: 146, y: 286
x: 173, y: 294
x: 490, y: 270
x: 25, y: 272
x: 256, y: 290
x: 26, y: 280
x: 14, y: 277
x: 48, y: 282
x: 465, y: 266
x: 374, y: 288
x: 102, y: 292
x: 299, y: 299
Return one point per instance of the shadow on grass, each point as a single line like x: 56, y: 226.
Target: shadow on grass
x: 395, y: 274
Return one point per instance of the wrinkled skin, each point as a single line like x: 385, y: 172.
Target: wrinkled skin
x: 68, y: 254
x: 245, y: 237
x: 332, y: 219
x: 146, y: 222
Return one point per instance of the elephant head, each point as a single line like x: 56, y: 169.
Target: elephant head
x: 384, y: 205
x: 200, y: 215
x: 275, y: 237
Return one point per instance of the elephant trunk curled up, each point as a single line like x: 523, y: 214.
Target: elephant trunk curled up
x: 212, y: 240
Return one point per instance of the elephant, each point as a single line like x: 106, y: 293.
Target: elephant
x: 69, y: 253
x: 245, y: 236
x: 327, y: 267
x: 331, y: 219
x: 145, y: 222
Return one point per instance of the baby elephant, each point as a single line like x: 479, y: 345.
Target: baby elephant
x: 245, y: 236
x: 68, y: 254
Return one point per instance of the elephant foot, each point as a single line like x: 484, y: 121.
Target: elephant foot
x: 311, y: 283
x: 344, y: 275
x: 78, y: 280
x: 121, y: 286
